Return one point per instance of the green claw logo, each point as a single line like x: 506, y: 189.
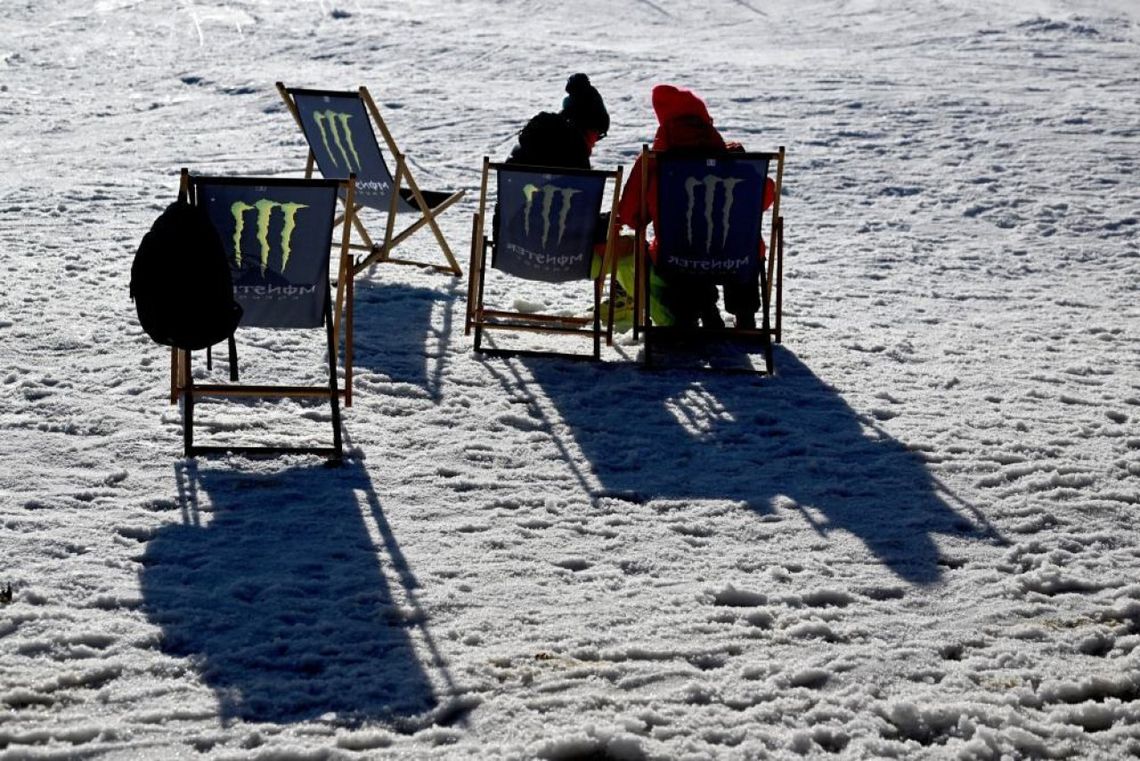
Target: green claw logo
x: 334, y: 125
x: 264, y: 209
x: 548, y: 193
x: 710, y: 183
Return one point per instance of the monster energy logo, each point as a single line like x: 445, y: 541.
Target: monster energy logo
x: 333, y: 125
x: 264, y: 209
x: 710, y: 183
x: 548, y: 194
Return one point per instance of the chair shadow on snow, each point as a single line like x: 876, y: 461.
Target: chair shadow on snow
x: 788, y: 440
x: 396, y: 332
x: 273, y: 585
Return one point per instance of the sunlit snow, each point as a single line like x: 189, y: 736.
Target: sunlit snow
x: 918, y: 540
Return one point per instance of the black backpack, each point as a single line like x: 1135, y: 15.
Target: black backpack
x: 549, y: 139
x: 181, y: 282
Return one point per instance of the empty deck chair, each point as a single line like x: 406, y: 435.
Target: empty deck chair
x: 338, y: 126
x: 544, y: 228
x: 277, y: 235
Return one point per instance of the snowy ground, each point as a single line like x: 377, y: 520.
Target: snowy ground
x: 918, y: 541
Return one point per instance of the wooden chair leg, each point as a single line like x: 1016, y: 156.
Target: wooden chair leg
x: 598, y: 315
x: 187, y: 411
x: 780, y: 284
x: 334, y: 392
x: 471, y: 274
x: 173, y: 375
x: 610, y: 317
x: 232, y: 345
x: 765, y: 321
x: 348, y: 351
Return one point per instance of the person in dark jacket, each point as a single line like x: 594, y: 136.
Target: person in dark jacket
x: 567, y: 138
x: 684, y: 123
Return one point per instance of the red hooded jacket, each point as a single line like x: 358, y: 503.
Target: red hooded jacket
x: 683, y: 122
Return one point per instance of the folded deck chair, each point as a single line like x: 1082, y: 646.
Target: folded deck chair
x: 709, y: 229
x: 276, y: 234
x: 338, y: 128
x: 543, y: 228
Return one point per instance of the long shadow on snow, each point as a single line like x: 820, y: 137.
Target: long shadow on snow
x: 273, y: 584
x: 684, y: 434
x: 394, y: 331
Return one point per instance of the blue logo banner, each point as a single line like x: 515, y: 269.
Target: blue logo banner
x: 709, y: 214
x: 277, y: 240
x: 547, y: 224
x: 339, y: 132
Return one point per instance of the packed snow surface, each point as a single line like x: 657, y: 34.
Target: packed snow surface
x: 918, y: 540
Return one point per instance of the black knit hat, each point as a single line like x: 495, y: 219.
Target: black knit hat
x: 583, y: 105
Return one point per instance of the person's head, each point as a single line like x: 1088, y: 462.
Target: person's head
x: 683, y: 120
x: 671, y: 102
x: 583, y: 107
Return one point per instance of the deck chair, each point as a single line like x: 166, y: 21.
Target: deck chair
x: 543, y: 229
x: 276, y: 233
x: 709, y: 228
x: 338, y: 129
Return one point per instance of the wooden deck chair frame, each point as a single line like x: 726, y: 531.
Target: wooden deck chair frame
x: 381, y: 251
x: 480, y: 318
x: 182, y: 384
x: 771, y: 272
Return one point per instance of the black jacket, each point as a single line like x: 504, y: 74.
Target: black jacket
x: 551, y: 140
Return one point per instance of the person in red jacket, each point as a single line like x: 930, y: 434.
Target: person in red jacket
x: 684, y: 123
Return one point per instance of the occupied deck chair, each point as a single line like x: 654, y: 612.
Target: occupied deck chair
x: 544, y: 228
x: 338, y: 128
x: 276, y: 234
x: 709, y: 227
